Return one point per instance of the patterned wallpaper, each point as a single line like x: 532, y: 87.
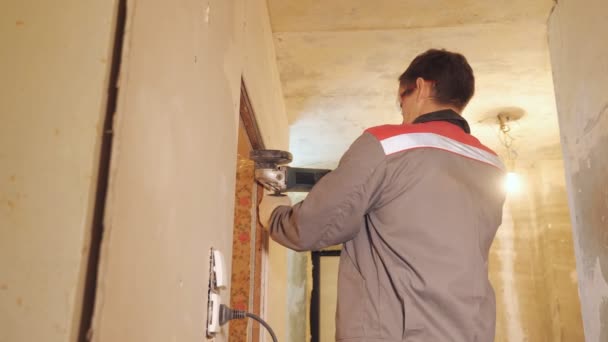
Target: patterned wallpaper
x: 247, y: 235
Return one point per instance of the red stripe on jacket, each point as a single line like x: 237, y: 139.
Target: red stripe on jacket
x: 442, y: 128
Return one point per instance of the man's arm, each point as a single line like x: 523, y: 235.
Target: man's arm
x: 334, y: 210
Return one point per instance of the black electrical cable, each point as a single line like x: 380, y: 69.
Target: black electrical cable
x: 227, y: 314
x: 262, y: 322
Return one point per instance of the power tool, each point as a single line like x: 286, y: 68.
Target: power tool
x: 273, y: 174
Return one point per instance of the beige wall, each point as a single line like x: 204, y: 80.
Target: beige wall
x: 556, y: 258
x: 261, y: 75
x: 532, y: 264
x: 54, y: 67
x: 580, y: 71
x: 328, y: 289
x: 173, y: 170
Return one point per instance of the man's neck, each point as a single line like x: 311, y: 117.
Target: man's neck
x: 447, y: 115
x: 430, y: 108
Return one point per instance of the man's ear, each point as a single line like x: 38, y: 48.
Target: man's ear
x: 422, y: 91
x: 426, y: 88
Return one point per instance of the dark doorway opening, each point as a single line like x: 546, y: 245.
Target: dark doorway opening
x: 315, y: 301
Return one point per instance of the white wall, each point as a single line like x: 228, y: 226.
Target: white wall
x: 579, y: 53
x: 173, y: 170
x: 54, y: 67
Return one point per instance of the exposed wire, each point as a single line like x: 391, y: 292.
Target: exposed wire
x: 506, y: 138
x: 262, y: 322
x: 227, y: 314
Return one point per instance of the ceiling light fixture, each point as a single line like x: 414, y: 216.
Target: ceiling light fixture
x: 512, y: 183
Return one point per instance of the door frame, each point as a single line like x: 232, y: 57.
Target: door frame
x: 315, y: 296
x: 257, y: 247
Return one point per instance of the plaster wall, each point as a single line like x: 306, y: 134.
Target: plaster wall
x: 532, y: 265
x: 580, y: 72
x: 55, y: 70
x: 171, y: 195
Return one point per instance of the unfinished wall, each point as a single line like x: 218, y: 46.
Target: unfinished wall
x: 54, y: 67
x: 557, y: 263
x: 532, y: 264
x: 173, y: 172
x: 580, y: 71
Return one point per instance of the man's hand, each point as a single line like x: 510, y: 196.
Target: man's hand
x: 267, y: 206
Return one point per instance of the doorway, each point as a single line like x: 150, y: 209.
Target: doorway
x: 324, y: 296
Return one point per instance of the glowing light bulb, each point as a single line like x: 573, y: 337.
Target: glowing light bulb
x: 512, y: 183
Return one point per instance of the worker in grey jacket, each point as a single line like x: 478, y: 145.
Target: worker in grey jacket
x: 416, y: 207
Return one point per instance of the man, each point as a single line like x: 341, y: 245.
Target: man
x: 416, y: 206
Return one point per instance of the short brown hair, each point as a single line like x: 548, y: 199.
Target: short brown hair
x: 451, y: 73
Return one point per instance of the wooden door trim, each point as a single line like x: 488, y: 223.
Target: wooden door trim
x: 250, y: 241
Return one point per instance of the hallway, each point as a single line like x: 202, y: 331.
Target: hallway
x: 121, y: 127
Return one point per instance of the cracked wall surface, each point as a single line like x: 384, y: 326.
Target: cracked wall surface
x: 580, y: 71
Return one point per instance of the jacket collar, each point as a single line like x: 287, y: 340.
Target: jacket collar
x: 445, y: 115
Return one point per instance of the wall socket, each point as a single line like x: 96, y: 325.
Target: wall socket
x: 219, y: 269
x: 217, y: 281
x: 213, y: 315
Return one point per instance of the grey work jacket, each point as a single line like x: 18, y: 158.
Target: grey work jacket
x: 417, y: 207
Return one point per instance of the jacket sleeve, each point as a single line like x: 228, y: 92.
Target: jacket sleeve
x: 334, y: 210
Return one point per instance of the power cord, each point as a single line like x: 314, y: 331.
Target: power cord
x: 228, y: 314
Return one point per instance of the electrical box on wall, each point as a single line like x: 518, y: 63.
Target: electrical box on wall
x: 213, y: 314
x: 219, y: 268
x: 219, y: 314
x: 217, y: 281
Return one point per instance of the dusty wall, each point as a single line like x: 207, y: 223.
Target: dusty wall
x: 532, y: 264
x: 557, y: 257
x: 297, y: 289
x: 54, y: 67
x: 580, y: 72
x: 173, y: 171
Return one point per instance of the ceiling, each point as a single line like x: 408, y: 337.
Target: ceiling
x: 339, y: 61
